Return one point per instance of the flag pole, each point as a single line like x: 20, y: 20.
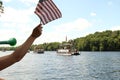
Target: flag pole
x: 40, y: 22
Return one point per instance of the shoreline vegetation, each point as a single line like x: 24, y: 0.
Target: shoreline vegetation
x: 99, y: 41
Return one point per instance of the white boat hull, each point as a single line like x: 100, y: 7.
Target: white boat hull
x: 66, y: 52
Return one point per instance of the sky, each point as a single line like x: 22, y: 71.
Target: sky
x: 79, y: 18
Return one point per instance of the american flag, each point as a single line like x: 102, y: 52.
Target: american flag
x: 47, y: 11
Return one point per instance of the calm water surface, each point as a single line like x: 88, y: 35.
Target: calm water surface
x: 50, y: 66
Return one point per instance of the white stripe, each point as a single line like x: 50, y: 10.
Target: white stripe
x: 41, y: 17
x: 39, y: 14
x: 47, y: 12
x: 50, y: 12
x: 55, y: 7
x: 51, y: 8
x: 43, y: 14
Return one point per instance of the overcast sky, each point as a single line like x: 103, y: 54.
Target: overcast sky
x: 79, y: 18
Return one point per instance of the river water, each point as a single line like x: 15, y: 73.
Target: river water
x: 51, y: 66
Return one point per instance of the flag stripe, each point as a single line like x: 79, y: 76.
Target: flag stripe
x: 47, y: 11
x: 51, y: 8
x: 41, y: 8
x: 40, y: 15
x: 55, y: 8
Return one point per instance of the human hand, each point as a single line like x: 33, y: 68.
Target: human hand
x: 37, y: 31
x: 2, y: 79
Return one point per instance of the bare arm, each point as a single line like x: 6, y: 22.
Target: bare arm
x: 20, y: 52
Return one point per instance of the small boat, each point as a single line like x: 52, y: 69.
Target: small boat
x: 4, y: 49
x: 38, y: 50
x: 67, y: 49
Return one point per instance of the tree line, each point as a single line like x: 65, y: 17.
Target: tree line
x: 99, y: 41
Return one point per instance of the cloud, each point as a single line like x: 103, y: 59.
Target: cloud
x: 24, y: 1
x: 17, y: 23
x: 92, y: 14
x: 115, y: 28
x: 7, y: 0
x: 17, y: 18
x: 29, y: 2
x: 59, y: 32
x: 14, y: 15
x: 77, y: 25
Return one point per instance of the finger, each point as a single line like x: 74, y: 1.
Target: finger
x: 40, y: 26
x: 40, y: 29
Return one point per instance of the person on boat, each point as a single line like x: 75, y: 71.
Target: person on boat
x: 19, y: 53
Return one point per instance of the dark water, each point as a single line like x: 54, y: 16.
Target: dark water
x: 50, y: 66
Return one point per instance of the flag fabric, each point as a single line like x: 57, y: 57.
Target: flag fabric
x: 47, y: 11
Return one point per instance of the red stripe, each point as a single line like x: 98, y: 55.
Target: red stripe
x: 51, y: 8
x: 39, y: 15
x: 55, y: 8
x: 50, y: 12
x: 43, y: 13
x: 47, y: 11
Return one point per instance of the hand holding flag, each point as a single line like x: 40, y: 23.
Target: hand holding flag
x: 47, y: 11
